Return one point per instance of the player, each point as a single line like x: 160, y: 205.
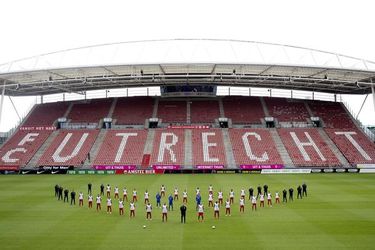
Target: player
x: 80, y: 199
x: 284, y: 196
x: 164, y: 211
x: 259, y: 189
x: 198, y: 199
x: 231, y: 196
x: 90, y: 198
x: 291, y: 194
x: 60, y: 197
x: 162, y: 191
x: 197, y: 191
x: 183, y: 209
x: 146, y: 197
x: 98, y: 203
x: 132, y: 209
x: 72, y: 198
x: 148, y: 211
x: 108, y: 191
x: 89, y: 186
x: 251, y: 192
x: 210, y: 200
x: 175, y: 194
x: 269, y: 200
x: 299, y: 192
x: 135, y: 195
x: 216, y: 210
x: 210, y: 189
x: 265, y: 188
x: 109, y: 205
x: 200, y: 212
x: 116, y: 192
x: 184, y: 196
x: 66, y: 193
x: 102, y: 189
x: 57, y: 190
x: 242, y: 205
x: 304, y: 189
x: 125, y: 194
x: 121, y: 207
x: 277, y: 197
x: 261, y: 200
x: 254, y: 203
x: 158, y: 198
x: 220, y: 197
x: 243, y: 193
x: 170, y: 202
x: 227, y: 208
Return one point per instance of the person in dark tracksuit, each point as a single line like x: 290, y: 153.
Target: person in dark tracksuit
x: 72, y: 198
x: 57, y: 190
x: 89, y: 186
x: 251, y: 192
x: 299, y: 192
x: 259, y: 189
x: 265, y: 188
x: 102, y: 189
x: 66, y: 198
x: 284, y: 195
x: 183, y: 209
x: 291, y: 194
x: 304, y: 189
x: 60, y: 197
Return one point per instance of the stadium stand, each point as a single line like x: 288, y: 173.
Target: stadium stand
x: 172, y: 111
x: 243, y: 110
x: 91, y: 111
x: 46, y: 114
x: 307, y: 148
x: 254, y: 146
x: 22, y: 146
x: 70, y: 148
x: 133, y: 110
x: 204, y: 111
x: 355, y: 146
x: 122, y: 147
x: 168, y: 147
x: 208, y: 147
x: 332, y: 113
x: 287, y: 110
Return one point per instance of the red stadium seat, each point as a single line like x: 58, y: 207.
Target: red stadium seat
x: 133, y: 110
x: 90, y: 112
x: 243, y: 110
x: 204, y: 111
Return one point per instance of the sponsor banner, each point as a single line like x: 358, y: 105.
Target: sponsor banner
x: 101, y: 172
x: 316, y: 170
x: 165, y: 167
x: 114, y: 167
x: 340, y: 170
x: 365, y: 165
x: 9, y: 168
x: 56, y: 167
x: 251, y: 167
x: 209, y: 167
x: 190, y: 126
x: 367, y: 171
x: 353, y: 170
x: 40, y: 128
x: 136, y: 171
x: 287, y: 171
x: 328, y: 170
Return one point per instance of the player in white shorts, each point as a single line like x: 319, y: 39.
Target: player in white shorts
x: 146, y: 197
x: 184, y: 196
x: 108, y: 191
x: 210, y: 200
x: 164, y: 211
x: 132, y: 209
x: 135, y: 195
x: 90, y: 198
x: 175, y: 194
x: 125, y: 194
x: 162, y: 190
x: 197, y: 191
x: 148, y: 211
x: 261, y: 200
x: 121, y: 207
x: 231, y: 196
x: 220, y: 197
x: 216, y: 210
x: 210, y: 189
x: 227, y: 208
x: 116, y: 192
x: 200, y: 212
x: 269, y: 200
x: 98, y: 203
x: 277, y: 197
x: 109, y: 205
x: 253, y: 203
x: 242, y: 205
x: 243, y: 193
x: 80, y: 199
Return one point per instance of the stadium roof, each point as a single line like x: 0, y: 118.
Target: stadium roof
x: 187, y: 61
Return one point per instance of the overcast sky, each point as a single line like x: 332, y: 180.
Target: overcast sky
x: 34, y: 27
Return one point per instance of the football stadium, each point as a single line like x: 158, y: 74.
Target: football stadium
x: 253, y: 137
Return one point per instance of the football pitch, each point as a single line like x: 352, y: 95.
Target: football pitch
x: 338, y: 213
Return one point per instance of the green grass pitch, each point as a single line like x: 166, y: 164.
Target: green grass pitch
x: 339, y: 213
